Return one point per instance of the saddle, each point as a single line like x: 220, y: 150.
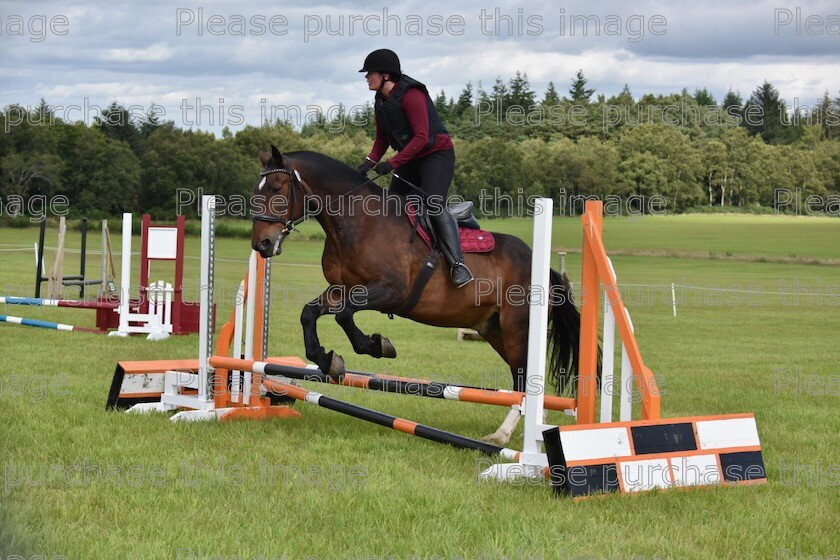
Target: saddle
x: 473, y: 238
x: 463, y: 214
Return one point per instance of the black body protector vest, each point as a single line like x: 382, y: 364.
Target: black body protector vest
x: 392, y: 118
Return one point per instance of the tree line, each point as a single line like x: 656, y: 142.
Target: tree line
x: 689, y: 150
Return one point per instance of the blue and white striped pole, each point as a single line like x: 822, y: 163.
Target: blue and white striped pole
x: 44, y: 324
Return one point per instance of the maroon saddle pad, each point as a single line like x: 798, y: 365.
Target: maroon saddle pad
x: 472, y: 240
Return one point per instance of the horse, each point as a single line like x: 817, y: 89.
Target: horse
x: 369, y: 251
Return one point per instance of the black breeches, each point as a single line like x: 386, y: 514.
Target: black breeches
x: 433, y: 174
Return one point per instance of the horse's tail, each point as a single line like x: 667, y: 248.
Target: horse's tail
x: 564, y: 334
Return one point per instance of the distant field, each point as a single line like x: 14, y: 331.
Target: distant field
x: 749, y: 336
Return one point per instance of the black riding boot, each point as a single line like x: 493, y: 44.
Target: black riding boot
x: 446, y: 230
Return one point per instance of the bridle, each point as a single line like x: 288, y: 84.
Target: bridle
x: 288, y: 223
x: 295, y: 180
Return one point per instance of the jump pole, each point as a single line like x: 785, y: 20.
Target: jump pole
x: 44, y: 324
x: 404, y: 386
x: 382, y: 419
x: 44, y: 302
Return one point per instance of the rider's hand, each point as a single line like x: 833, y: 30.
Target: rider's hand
x: 383, y: 167
x: 365, y: 167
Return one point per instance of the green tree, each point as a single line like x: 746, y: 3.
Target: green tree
x: 117, y: 123
x: 677, y: 161
x: 100, y: 173
x: 520, y: 93
x: 733, y: 107
x: 716, y: 169
x: 150, y: 122
x: 316, y: 123
x: 704, y: 98
x: 579, y: 93
x: 802, y: 167
x: 765, y: 114
x: 443, y: 106
x: 251, y: 139
x: 489, y: 168
x: 827, y: 161
x: 551, y: 97
x: 499, y: 94
x: 584, y: 168
x: 640, y: 175
x: 195, y: 162
x: 619, y: 111
x: 27, y: 174
x: 465, y: 101
x: 30, y: 155
x: 827, y: 116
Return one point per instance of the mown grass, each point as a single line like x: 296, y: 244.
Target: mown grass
x: 330, y: 486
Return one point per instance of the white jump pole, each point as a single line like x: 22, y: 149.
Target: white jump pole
x: 532, y: 460
x: 201, y: 403
x: 103, y: 243
x: 125, y: 275
x: 607, y: 361
x: 249, y: 321
x: 627, y: 382
x: 205, y: 335
x: 236, y: 377
x: 537, y: 327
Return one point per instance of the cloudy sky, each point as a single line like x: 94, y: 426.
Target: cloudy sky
x: 241, y: 60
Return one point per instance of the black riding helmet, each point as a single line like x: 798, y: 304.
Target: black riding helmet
x: 382, y: 60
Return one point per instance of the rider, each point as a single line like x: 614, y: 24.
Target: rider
x: 406, y: 119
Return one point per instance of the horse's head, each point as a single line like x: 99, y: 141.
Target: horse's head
x: 277, y: 204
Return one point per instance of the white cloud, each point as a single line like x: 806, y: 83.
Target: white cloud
x: 158, y: 52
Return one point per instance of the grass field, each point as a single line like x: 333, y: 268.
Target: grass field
x: 757, y: 330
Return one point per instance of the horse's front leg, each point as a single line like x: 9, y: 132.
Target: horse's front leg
x: 328, y: 302
x: 371, y: 296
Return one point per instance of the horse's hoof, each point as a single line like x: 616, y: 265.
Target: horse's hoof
x: 337, y: 368
x: 388, y: 350
x: 384, y: 348
x: 496, y: 439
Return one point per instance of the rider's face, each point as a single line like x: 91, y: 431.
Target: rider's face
x: 374, y: 80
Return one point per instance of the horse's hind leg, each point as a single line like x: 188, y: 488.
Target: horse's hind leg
x: 491, y: 331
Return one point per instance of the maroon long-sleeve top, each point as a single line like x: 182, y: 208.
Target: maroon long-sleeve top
x: 416, y: 111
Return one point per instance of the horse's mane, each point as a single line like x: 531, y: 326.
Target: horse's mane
x: 329, y: 169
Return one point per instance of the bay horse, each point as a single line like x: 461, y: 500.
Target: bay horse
x: 371, y: 263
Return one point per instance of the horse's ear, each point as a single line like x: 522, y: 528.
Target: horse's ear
x: 276, y: 155
x: 264, y: 157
